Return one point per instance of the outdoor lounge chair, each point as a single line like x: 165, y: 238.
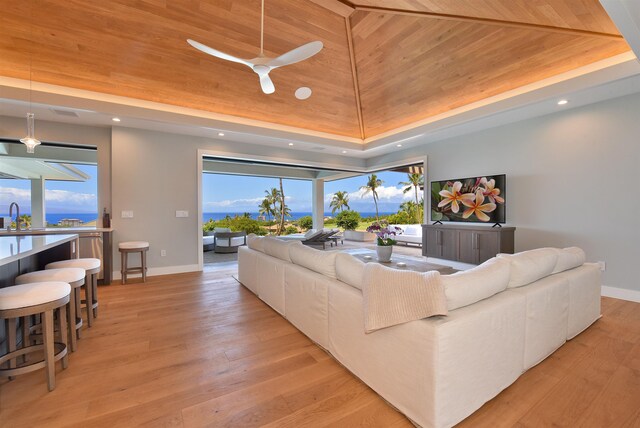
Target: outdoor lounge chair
x: 312, y: 237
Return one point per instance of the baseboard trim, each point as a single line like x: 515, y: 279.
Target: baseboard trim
x: 165, y: 270
x: 621, y: 293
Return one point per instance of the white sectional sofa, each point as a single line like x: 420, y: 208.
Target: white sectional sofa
x: 411, y: 234
x: 505, y: 316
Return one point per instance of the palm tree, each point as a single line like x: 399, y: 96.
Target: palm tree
x: 266, y: 208
x: 339, y: 201
x: 415, y: 182
x: 284, y: 209
x: 373, y: 182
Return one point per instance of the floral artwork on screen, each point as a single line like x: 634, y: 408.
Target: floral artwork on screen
x: 476, y: 199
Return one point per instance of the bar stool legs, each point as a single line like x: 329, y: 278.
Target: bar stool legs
x: 25, y: 300
x: 133, y: 247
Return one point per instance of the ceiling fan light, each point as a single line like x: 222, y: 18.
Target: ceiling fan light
x: 30, y: 140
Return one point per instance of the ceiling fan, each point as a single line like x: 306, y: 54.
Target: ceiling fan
x: 261, y: 64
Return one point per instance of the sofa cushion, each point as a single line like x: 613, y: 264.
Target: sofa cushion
x: 413, y: 231
x: 467, y: 287
x: 278, y: 248
x: 569, y: 258
x: 315, y: 260
x: 255, y: 242
x: 530, y: 266
x: 349, y: 270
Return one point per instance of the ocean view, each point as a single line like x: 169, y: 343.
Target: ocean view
x: 294, y: 215
x: 53, y: 219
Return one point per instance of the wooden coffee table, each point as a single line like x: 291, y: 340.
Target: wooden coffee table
x: 403, y: 262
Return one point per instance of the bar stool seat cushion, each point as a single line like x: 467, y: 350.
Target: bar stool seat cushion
x: 133, y: 245
x: 64, y: 275
x: 35, y: 293
x: 86, y: 264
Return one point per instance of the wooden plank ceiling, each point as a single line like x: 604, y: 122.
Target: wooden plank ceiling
x: 385, y: 64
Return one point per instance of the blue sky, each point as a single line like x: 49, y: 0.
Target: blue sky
x: 60, y: 196
x: 232, y: 193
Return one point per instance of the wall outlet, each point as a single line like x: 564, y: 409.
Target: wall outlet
x: 127, y: 214
x: 182, y: 213
x: 603, y: 266
x: 163, y: 253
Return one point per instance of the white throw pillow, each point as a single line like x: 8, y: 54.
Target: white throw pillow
x: 350, y: 270
x: 255, y: 242
x: 412, y: 231
x: 323, y: 262
x: 278, y: 248
x: 468, y: 287
x: 530, y: 266
x: 569, y: 258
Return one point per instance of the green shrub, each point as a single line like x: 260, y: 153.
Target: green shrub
x: 402, y: 217
x: 348, y: 220
x: 330, y: 221
x: 305, y: 222
x: 290, y: 229
x: 236, y: 224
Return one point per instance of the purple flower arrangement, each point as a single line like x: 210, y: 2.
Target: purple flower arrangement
x: 384, y: 233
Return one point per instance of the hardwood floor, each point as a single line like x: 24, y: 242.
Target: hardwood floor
x: 200, y: 350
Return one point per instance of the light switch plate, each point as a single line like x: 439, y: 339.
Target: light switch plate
x: 182, y: 213
x: 127, y: 214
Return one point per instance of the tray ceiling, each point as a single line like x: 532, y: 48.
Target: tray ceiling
x: 385, y: 65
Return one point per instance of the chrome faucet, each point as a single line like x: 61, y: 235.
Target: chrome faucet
x: 17, y: 215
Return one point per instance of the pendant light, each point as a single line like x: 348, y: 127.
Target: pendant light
x: 30, y: 140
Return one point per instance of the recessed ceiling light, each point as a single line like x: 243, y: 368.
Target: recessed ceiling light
x: 398, y: 145
x: 344, y: 151
x: 303, y: 93
x: 220, y: 134
x: 291, y: 144
x: 115, y: 119
x: 562, y: 102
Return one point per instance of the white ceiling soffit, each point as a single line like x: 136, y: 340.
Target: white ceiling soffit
x: 626, y: 15
x: 606, y: 79
x: 33, y: 169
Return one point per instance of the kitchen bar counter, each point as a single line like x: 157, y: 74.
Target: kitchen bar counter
x: 55, y: 231
x: 95, y: 242
x: 14, y: 248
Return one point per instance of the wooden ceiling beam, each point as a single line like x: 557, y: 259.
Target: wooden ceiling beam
x: 354, y: 73
x: 343, y: 9
x: 489, y: 21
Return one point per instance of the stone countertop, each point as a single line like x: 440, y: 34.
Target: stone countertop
x: 55, y: 231
x: 14, y: 248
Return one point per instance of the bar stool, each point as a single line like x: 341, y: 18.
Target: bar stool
x: 39, y: 298
x: 92, y: 269
x: 72, y: 276
x: 133, y: 247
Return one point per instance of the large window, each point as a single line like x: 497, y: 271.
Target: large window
x: 229, y: 195
x: 59, y: 181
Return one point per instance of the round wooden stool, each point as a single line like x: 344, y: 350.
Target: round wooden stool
x: 92, y: 269
x: 133, y: 247
x: 75, y: 278
x: 40, y: 298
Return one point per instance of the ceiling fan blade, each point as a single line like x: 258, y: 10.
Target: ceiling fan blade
x: 206, y: 49
x: 267, y: 84
x: 297, y: 54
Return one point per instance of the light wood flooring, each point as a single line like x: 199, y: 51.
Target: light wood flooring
x: 200, y: 350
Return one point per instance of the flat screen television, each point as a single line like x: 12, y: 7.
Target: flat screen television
x: 473, y: 200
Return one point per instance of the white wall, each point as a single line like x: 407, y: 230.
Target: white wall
x: 573, y: 178
x: 155, y: 174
